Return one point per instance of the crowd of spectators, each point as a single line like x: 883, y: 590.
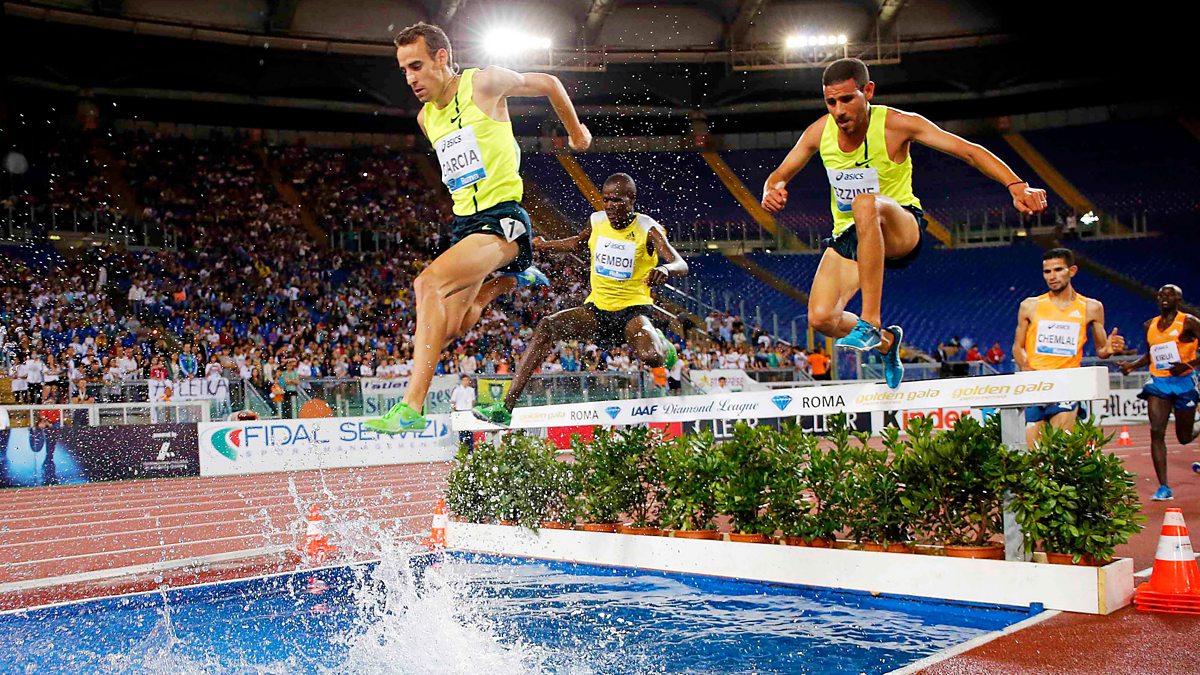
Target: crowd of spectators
x: 249, y: 293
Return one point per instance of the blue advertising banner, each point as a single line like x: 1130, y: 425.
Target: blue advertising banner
x: 52, y: 455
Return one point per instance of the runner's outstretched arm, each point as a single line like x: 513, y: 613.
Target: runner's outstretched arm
x: 498, y: 81
x: 1027, y: 200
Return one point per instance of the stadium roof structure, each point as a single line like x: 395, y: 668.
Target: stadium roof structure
x: 669, y: 59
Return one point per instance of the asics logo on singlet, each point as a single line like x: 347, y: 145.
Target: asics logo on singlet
x: 849, y: 176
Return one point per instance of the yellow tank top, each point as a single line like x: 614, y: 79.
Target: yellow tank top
x: 479, y: 156
x: 1166, y: 348
x: 621, y: 262
x: 866, y: 169
x: 1056, y: 336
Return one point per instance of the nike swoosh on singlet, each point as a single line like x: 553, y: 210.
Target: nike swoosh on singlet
x: 862, y: 163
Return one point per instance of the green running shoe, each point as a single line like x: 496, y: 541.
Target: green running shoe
x: 672, y: 352
x: 399, y: 419
x: 494, y: 413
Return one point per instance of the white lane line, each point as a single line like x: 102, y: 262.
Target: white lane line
x: 84, y: 577
x: 979, y: 641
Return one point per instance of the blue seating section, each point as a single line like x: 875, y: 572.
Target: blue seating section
x: 967, y: 293
x: 1143, y: 165
x: 1153, y: 261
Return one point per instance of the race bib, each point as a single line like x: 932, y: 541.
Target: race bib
x: 1057, y: 338
x: 850, y: 183
x: 614, y: 259
x: 1165, y: 355
x: 462, y: 161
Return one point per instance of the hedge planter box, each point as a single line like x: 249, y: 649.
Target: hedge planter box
x: 1073, y: 588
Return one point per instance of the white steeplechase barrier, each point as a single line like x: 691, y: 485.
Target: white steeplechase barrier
x: 1080, y: 589
x: 994, y: 391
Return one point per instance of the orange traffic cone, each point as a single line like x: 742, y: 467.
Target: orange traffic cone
x: 437, y: 535
x: 1124, y: 438
x: 1174, y: 584
x: 316, y: 547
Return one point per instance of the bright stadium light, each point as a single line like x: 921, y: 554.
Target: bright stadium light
x: 842, y: 39
x: 503, y: 42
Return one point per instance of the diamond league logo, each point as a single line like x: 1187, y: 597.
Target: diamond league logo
x: 613, y: 411
x: 782, y: 401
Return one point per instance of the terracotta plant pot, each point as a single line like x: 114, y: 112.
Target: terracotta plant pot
x: 988, y: 552
x: 899, y: 548
x: 1084, y: 560
x: 811, y: 543
x: 508, y: 523
x: 696, y: 534
x: 643, y: 531
x: 598, y: 527
x: 749, y: 538
x: 554, y: 525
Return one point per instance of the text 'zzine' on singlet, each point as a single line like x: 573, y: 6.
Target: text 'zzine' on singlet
x: 479, y: 156
x: 1056, y: 336
x: 621, y: 262
x: 866, y: 169
x: 1166, y: 349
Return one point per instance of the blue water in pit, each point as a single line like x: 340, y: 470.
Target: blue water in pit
x: 484, y: 615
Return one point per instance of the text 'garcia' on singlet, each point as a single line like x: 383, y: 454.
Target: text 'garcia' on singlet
x: 479, y: 156
x: 1056, y: 336
x: 865, y: 170
x: 1166, y: 348
x: 621, y: 262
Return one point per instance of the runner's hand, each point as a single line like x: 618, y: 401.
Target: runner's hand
x: 1126, y: 367
x: 1116, y: 343
x: 1178, y: 369
x: 775, y: 198
x: 1028, y: 200
x: 581, y: 140
x: 657, y: 276
x: 538, y: 242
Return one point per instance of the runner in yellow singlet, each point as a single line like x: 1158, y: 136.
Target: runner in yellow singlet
x: 465, y: 116
x: 628, y: 253
x: 1051, y: 331
x: 877, y: 220
x: 1172, y: 337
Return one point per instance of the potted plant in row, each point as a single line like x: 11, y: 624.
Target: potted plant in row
x: 1071, y: 498
x: 689, y: 470
x: 641, y: 485
x: 880, y: 517
x: 748, y: 466
x: 958, y: 496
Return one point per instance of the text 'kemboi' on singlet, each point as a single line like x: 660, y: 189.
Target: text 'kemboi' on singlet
x: 1056, y: 336
x: 865, y: 170
x: 1166, y: 349
x: 479, y: 156
x: 621, y: 262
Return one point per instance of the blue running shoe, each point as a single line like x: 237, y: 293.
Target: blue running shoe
x: 1164, y: 494
x: 532, y: 276
x: 1196, y: 467
x: 893, y: 369
x: 863, y: 338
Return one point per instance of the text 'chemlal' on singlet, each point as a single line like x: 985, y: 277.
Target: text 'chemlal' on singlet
x: 1166, y: 349
x: 621, y: 262
x: 1056, y: 336
x: 479, y: 156
x: 865, y: 170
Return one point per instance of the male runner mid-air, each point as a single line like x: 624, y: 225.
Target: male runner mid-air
x: 1051, y: 331
x: 1172, y: 337
x: 877, y: 220
x: 465, y: 115
x: 625, y: 251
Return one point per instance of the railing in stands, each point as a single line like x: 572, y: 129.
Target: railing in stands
x: 107, y: 414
